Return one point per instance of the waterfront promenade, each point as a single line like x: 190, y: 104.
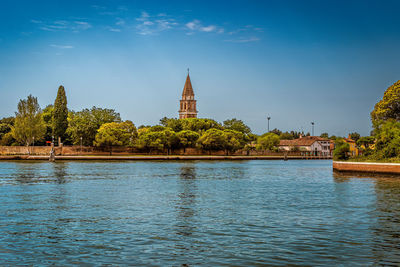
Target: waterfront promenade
x: 161, y: 157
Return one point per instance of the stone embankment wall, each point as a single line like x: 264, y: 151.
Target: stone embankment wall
x: 77, y: 151
x: 367, y: 167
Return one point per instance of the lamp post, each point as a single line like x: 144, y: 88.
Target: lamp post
x: 81, y: 145
x: 268, y: 118
x: 312, y: 125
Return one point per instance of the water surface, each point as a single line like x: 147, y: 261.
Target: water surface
x: 196, y: 213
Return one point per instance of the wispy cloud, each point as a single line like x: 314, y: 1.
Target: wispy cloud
x: 111, y: 29
x: 62, y: 25
x: 196, y: 25
x: 243, y: 40
x: 62, y: 46
x: 149, y: 25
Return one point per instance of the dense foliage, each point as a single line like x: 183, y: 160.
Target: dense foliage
x: 116, y: 134
x: 29, y: 124
x: 341, y: 151
x: 268, y: 141
x: 389, y: 106
x: 85, y: 123
x: 60, y: 114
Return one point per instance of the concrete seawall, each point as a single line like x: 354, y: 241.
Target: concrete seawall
x: 158, y: 157
x: 367, y: 167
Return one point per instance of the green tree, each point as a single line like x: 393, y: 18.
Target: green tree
x: 200, y: 125
x: 85, y: 123
x: 173, y: 123
x: 286, y: 136
x: 158, y: 140
x: 116, y: 134
x: 60, y: 114
x: 355, y: 136
x: 388, y: 139
x: 365, y: 141
x: 269, y: 141
x: 389, y: 106
x: 8, y: 140
x: 275, y: 131
x: 341, y: 151
x: 29, y: 124
x: 6, y: 125
x: 47, y: 115
x: 236, y: 125
x: 4, y: 129
x: 213, y: 139
x: 324, y: 135
x: 187, y: 138
x: 234, y: 140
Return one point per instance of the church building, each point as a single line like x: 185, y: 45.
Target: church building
x: 187, y: 103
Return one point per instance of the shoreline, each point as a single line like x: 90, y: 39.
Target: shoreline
x: 366, y: 167
x: 160, y: 157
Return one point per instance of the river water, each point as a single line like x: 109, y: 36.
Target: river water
x: 196, y: 213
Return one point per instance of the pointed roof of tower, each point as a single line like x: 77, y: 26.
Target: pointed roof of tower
x: 188, y: 89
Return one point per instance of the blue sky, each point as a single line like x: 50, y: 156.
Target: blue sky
x: 296, y: 61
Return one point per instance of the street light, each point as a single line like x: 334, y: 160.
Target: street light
x: 268, y: 118
x: 312, y: 125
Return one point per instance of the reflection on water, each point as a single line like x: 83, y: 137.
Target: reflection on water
x: 186, y: 200
x: 196, y: 213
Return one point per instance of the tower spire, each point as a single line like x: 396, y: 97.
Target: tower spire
x: 187, y: 103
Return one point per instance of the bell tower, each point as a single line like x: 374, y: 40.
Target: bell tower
x: 187, y: 103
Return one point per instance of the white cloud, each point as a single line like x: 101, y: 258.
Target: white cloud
x: 62, y: 46
x: 111, y: 29
x: 149, y: 25
x: 243, y: 40
x: 120, y: 22
x: 63, y: 25
x: 193, y: 25
x: 196, y: 25
x: 210, y: 28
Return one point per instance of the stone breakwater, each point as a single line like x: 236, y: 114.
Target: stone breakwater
x: 367, y: 167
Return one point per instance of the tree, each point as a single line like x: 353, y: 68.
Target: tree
x: 6, y: 125
x: 4, y: 129
x: 199, y: 125
x: 389, y: 106
x: 29, y: 124
x: 341, y: 151
x: 355, y: 136
x: 235, y: 140
x: 388, y: 139
x: 268, y: 141
x: 116, y: 134
x: 236, y: 125
x: 47, y: 115
x: 286, y: 136
x: 85, y: 123
x: 173, y: 123
x: 324, y: 135
x: 159, y: 140
x: 187, y: 138
x: 365, y: 141
x: 8, y: 140
x: 60, y: 114
x: 213, y: 139
x: 275, y: 131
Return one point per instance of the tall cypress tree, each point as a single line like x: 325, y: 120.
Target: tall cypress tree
x: 60, y: 115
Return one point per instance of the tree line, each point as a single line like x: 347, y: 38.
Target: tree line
x: 384, y: 142
x: 104, y: 128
